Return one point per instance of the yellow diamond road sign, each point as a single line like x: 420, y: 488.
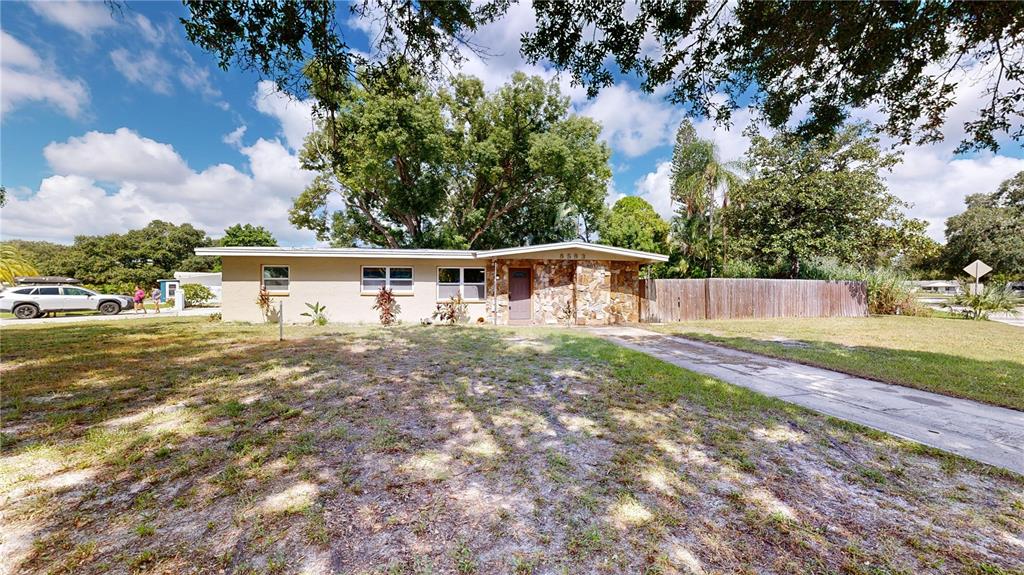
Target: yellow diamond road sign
x: 977, y: 268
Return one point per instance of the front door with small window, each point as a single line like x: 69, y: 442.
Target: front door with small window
x: 519, y: 294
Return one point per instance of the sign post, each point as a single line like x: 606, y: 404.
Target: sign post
x: 976, y: 269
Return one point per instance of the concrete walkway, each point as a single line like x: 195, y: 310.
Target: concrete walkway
x: 985, y: 433
x: 126, y: 315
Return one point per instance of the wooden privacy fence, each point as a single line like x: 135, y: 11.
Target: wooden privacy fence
x: 664, y: 300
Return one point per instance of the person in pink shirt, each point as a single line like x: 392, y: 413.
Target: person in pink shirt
x: 140, y: 299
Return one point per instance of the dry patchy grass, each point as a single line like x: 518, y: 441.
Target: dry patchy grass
x: 186, y: 446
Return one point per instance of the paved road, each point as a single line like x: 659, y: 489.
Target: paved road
x: 1014, y: 320
x: 985, y: 433
x: 123, y: 316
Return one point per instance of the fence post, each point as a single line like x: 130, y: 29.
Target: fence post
x: 707, y: 298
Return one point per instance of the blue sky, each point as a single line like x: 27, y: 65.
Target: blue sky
x: 109, y: 122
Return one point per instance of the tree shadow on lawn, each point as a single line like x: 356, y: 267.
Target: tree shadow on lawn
x: 996, y: 382
x: 213, y: 447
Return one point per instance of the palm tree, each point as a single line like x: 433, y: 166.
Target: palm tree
x: 995, y: 297
x: 13, y: 264
x: 698, y: 175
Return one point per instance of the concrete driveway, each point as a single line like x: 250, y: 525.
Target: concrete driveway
x: 978, y: 431
x: 128, y: 315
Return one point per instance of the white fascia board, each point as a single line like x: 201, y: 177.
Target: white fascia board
x: 366, y: 253
x: 386, y: 253
x: 600, y: 248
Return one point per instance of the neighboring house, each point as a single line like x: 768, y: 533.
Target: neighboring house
x: 587, y: 284
x: 940, y: 287
x: 211, y: 280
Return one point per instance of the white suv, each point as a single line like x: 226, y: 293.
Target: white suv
x: 27, y: 302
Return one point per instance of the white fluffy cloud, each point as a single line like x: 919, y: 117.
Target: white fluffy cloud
x: 212, y: 199
x: 656, y: 188
x: 83, y: 18
x: 295, y: 116
x: 114, y: 157
x: 632, y: 122
x: 937, y: 182
x: 28, y: 78
x: 145, y: 68
x: 114, y: 181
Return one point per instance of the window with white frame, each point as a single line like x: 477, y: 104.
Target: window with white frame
x: 470, y: 283
x: 397, y: 279
x: 275, y: 278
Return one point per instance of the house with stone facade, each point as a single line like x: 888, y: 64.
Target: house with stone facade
x: 565, y: 283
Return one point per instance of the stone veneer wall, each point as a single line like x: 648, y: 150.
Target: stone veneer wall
x: 625, y: 292
x: 593, y: 287
x: 599, y: 291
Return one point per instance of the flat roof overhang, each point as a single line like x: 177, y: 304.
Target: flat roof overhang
x: 609, y: 252
x: 369, y: 253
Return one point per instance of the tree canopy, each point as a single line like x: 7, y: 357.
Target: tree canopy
x: 633, y: 224
x: 451, y: 167
x: 277, y: 39
x: 118, y: 261
x: 820, y: 199
x: 247, y: 235
x: 905, y: 59
x: 990, y: 229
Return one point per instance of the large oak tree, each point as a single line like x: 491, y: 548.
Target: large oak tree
x: 404, y: 164
x: 820, y: 199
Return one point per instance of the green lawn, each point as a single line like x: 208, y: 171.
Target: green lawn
x: 980, y: 360
x: 183, y: 445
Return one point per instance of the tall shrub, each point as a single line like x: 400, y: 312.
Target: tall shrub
x: 887, y: 290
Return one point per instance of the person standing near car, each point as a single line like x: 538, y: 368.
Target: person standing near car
x: 155, y: 296
x: 140, y: 299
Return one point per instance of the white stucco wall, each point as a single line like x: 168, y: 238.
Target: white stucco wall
x: 335, y: 283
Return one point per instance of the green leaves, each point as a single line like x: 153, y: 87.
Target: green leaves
x: 632, y: 223
x: 452, y: 167
x: 247, y: 235
x: 990, y: 229
x: 825, y: 198
x: 905, y: 59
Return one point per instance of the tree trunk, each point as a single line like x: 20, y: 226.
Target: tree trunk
x: 794, y: 266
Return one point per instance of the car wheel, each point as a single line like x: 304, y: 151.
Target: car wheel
x: 109, y: 308
x: 25, y: 311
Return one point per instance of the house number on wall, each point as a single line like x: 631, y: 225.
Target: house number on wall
x: 570, y: 256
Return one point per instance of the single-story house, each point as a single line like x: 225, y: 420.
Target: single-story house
x: 570, y: 282
x: 209, y: 279
x: 942, y: 287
